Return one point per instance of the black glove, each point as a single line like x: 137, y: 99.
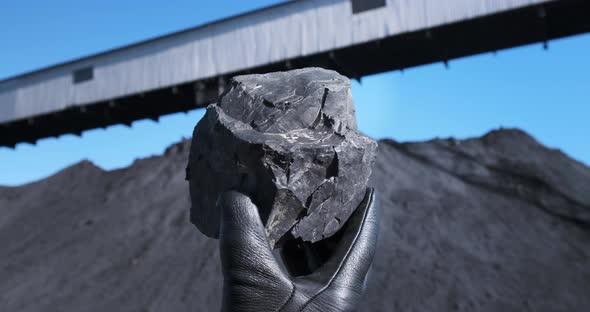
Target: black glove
x: 254, y: 280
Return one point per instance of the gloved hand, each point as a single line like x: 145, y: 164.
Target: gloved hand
x: 254, y: 280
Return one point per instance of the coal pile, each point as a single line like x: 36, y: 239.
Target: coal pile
x: 497, y: 223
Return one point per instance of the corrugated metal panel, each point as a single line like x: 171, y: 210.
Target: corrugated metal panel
x: 295, y: 29
x: 8, y: 101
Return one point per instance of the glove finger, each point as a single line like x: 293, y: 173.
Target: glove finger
x: 244, y: 245
x: 349, y: 264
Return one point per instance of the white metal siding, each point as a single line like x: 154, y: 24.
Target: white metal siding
x: 297, y: 28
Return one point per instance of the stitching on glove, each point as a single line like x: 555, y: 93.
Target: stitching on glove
x: 356, y: 237
x: 289, y: 299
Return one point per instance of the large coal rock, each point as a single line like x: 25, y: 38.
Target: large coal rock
x: 290, y: 140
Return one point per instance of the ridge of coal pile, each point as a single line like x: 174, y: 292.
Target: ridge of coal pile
x: 290, y: 141
x: 497, y: 223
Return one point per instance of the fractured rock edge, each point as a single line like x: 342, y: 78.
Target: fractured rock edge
x: 302, y: 205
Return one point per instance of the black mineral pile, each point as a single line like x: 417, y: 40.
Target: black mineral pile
x: 497, y: 223
x: 290, y: 141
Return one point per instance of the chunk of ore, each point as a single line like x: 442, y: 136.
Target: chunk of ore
x: 290, y: 141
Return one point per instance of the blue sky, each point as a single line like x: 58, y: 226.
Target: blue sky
x: 545, y: 93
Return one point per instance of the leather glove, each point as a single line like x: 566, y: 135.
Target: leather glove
x: 255, y: 281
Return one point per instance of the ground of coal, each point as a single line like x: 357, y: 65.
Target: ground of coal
x: 497, y: 223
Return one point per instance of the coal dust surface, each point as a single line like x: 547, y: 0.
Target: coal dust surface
x: 497, y: 223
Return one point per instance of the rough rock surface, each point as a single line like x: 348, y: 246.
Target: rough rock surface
x: 498, y: 223
x: 289, y: 139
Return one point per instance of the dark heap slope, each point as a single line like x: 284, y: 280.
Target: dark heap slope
x: 498, y: 223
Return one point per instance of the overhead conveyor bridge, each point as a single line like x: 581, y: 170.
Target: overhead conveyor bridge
x: 187, y: 70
